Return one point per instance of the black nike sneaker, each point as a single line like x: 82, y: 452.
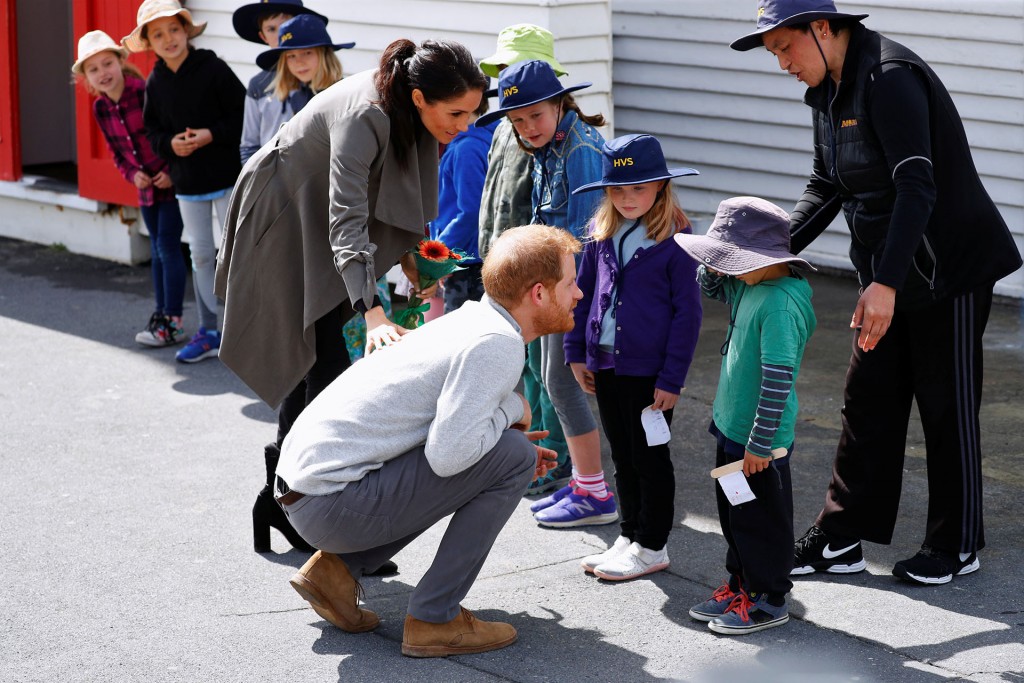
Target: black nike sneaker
x: 932, y: 567
x: 817, y: 552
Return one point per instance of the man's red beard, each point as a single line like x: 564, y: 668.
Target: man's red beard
x: 552, y: 319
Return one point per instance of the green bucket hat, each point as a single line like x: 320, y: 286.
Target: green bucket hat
x: 520, y: 43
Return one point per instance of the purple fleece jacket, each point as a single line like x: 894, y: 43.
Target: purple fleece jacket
x: 658, y: 315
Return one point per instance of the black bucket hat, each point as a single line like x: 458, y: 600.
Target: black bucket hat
x: 524, y: 84
x: 772, y: 14
x: 244, y: 18
x: 633, y: 160
x: 297, y: 33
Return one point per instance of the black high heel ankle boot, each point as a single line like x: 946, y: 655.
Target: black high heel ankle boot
x: 267, y: 513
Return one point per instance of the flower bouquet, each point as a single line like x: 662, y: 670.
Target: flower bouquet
x: 434, y: 261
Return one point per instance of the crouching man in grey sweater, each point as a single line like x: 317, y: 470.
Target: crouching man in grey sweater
x: 422, y: 429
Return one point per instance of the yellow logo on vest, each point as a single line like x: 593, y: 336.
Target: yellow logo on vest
x: 628, y: 161
x: 510, y: 91
x: 285, y: 38
x: 848, y: 123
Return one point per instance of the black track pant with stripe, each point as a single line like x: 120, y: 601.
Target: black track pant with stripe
x: 934, y: 356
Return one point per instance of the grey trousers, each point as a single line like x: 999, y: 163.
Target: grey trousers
x: 370, y: 520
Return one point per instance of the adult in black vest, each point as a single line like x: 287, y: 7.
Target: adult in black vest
x: 928, y: 244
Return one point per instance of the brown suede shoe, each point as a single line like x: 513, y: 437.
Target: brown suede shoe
x: 463, y: 635
x: 325, y: 582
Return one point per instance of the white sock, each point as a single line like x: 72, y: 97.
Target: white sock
x: 592, y: 484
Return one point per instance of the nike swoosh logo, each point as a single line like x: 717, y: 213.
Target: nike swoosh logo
x: 829, y: 554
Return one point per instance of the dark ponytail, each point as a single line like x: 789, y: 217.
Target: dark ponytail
x: 441, y: 70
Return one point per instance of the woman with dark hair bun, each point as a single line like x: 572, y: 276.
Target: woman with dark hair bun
x: 318, y: 213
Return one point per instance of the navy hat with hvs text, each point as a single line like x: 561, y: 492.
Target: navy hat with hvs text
x: 633, y: 160
x: 525, y: 84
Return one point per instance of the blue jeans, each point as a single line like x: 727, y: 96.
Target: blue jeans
x: 163, y: 221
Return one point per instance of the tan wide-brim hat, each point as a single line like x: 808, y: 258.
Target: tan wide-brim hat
x: 151, y: 10
x: 93, y: 43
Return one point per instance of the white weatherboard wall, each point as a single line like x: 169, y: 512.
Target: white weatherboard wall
x: 742, y: 121
x: 582, y: 30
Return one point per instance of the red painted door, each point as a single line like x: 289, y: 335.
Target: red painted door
x: 10, y: 132
x: 97, y: 176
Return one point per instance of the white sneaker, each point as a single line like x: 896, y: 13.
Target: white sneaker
x: 590, y: 561
x: 634, y: 562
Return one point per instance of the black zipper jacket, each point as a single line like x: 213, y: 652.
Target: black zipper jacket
x: 890, y: 150
x: 203, y: 93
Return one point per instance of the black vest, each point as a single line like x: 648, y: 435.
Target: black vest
x: 966, y: 242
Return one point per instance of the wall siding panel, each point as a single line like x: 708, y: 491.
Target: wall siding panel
x: 742, y: 122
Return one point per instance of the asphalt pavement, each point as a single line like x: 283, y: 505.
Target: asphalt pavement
x: 126, y: 539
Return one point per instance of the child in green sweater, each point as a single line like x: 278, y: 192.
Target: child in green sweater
x: 746, y: 263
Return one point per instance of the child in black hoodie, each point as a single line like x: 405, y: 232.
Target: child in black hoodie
x: 193, y: 116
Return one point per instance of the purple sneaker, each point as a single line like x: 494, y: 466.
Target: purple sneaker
x: 579, y: 508
x: 548, y: 501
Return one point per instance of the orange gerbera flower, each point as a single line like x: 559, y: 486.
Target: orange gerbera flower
x: 433, y: 250
x: 457, y: 257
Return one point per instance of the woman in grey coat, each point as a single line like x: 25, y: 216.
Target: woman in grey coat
x: 323, y: 209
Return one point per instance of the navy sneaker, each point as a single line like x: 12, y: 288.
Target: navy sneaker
x: 933, y: 567
x: 579, y: 508
x: 716, y: 605
x: 749, y: 614
x: 818, y: 552
x: 203, y: 345
x: 553, y: 480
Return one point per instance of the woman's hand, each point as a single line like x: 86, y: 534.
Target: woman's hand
x: 408, y: 262
x: 380, y: 331
x: 142, y: 180
x: 752, y: 464
x: 584, y: 377
x: 664, y: 400
x: 873, y: 314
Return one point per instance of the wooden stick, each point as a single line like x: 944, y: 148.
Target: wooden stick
x: 738, y: 465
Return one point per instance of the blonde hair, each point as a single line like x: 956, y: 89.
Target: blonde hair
x: 328, y: 72
x: 524, y: 256
x: 127, y: 69
x: 664, y: 219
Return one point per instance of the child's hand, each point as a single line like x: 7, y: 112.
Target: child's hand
x: 162, y: 180
x: 182, y: 145
x: 664, y: 400
x: 752, y: 464
x: 142, y: 180
x: 584, y: 377
x: 200, y: 137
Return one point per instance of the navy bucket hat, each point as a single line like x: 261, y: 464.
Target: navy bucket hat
x: 525, y: 84
x: 772, y: 14
x: 245, y: 17
x: 633, y: 160
x: 303, y: 31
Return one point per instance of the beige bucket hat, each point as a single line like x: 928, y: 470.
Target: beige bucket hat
x: 93, y: 43
x: 158, y: 9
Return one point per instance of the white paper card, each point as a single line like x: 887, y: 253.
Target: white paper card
x: 736, y: 488
x: 655, y: 427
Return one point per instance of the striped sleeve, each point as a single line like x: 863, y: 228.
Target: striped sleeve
x: 776, y: 384
x: 713, y: 286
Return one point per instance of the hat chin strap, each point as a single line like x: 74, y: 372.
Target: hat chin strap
x: 828, y: 72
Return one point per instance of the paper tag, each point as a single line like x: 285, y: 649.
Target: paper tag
x: 655, y: 427
x: 736, y: 488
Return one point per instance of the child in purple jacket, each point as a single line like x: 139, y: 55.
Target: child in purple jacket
x: 636, y: 329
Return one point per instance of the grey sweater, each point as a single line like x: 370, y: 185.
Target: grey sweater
x: 447, y: 386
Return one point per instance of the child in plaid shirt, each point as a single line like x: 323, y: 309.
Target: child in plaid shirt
x: 120, y: 92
